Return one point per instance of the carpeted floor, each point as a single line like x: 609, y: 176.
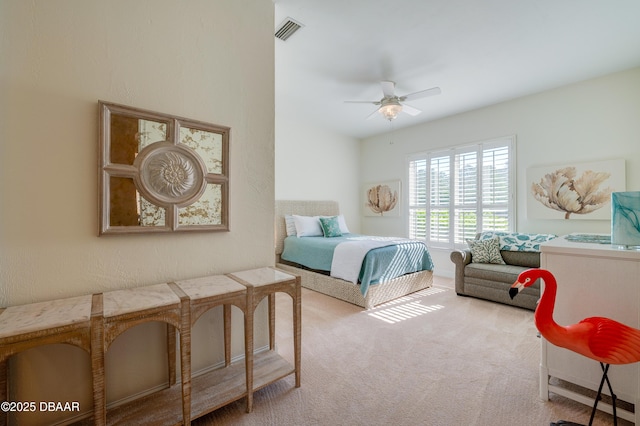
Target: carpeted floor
x: 433, y: 358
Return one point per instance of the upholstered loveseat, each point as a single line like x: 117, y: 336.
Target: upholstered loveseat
x: 499, y: 258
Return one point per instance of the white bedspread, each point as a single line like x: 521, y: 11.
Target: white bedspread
x: 348, y: 256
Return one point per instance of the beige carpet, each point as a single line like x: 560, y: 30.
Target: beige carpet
x: 434, y: 359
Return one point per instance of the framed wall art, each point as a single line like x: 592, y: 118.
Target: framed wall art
x: 625, y: 220
x: 382, y: 199
x: 161, y: 173
x: 574, y: 190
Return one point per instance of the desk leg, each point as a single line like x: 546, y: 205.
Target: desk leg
x: 544, y: 384
x: 544, y: 371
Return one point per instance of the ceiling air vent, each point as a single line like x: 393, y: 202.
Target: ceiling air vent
x: 287, y: 28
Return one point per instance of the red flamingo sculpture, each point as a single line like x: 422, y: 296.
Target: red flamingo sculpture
x: 602, y: 339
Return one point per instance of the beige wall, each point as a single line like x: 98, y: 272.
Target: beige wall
x: 584, y: 122
x: 313, y: 163
x: 205, y: 60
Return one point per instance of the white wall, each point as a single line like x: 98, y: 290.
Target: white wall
x: 205, y: 60
x: 315, y: 164
x: 589, y: 121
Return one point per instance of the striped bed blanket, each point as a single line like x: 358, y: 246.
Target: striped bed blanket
x: 367, y: 260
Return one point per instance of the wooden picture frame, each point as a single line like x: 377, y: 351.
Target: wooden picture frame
x: 161, y: 173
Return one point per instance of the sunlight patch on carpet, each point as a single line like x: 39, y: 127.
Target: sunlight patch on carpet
x: 404, y: 312
x: 406, y: 307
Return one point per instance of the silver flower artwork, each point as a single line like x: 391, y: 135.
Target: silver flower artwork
x: 171, y: 174
x: 561, y: 190
x: 381, y: 199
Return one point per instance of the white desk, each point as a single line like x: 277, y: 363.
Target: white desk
x: 593, y: 280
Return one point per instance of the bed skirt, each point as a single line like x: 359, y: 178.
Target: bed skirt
x: 349, y: 292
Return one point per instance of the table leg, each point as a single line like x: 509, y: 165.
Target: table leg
x: 248, y: 347
x: 272, y: 321
x: 185, y: 359
x: 297, y: 330
x: 227, y: 334
x: 4, y: 390
x: 97, y: 361
x: 171, y: 353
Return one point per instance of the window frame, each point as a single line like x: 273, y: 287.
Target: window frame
x: 479, y: 206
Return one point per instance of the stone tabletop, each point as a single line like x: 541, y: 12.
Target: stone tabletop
x: 119, y: 302
x: 207, y: 287
x: 39, y: 316
x: 262, y: 276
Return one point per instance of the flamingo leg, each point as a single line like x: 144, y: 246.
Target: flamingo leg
x: 605, y: 377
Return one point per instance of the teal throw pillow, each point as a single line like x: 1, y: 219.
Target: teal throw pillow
x: 330, y: 226
x: 485, y: 251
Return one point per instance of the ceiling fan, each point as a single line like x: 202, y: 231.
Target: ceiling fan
x: 391, y: 104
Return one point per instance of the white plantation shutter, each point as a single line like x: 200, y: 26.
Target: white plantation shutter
x: 495, y: 184
x: 418, y: 198
x: 469, y: 188
x: 466, y: 186
x: 439, y: 198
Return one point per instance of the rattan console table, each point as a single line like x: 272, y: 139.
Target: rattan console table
x: 93, y: 322
x: 28, y: 326
x: 268, y: 366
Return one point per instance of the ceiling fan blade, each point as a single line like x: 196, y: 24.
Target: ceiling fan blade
x: 388, y: 88
x: 362, y: 102
x: 410, y: 110
x: 373, y: 114
x: 421, y: 94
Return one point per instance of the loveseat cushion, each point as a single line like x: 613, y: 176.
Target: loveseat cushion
x: 507, y: 274
x: 521, y: 258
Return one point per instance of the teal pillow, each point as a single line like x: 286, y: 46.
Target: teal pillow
x: 330, y: 226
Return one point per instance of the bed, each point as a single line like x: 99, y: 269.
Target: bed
x: 376, y: 294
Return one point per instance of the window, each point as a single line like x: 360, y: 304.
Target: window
x: 455, y: 193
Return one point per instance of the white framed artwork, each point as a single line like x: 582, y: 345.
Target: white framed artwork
x: 382, y: 199
x: 574, y: 190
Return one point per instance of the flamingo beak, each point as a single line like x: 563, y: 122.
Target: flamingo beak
x: 515, y: 289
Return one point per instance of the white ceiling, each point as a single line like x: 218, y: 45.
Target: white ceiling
x: 478, y: 52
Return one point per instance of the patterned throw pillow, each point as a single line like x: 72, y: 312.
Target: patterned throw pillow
x: 485, y: 251
x: 330, y: 226
x: 516, y: 241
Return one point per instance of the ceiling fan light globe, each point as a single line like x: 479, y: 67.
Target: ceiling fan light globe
x: 390, y: 111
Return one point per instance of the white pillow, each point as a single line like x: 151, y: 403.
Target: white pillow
x: 343, y: 224
x: 307, y: 226
x: 290, y: 225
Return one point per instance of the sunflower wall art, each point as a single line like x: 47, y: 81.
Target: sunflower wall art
x: 574, y: 191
